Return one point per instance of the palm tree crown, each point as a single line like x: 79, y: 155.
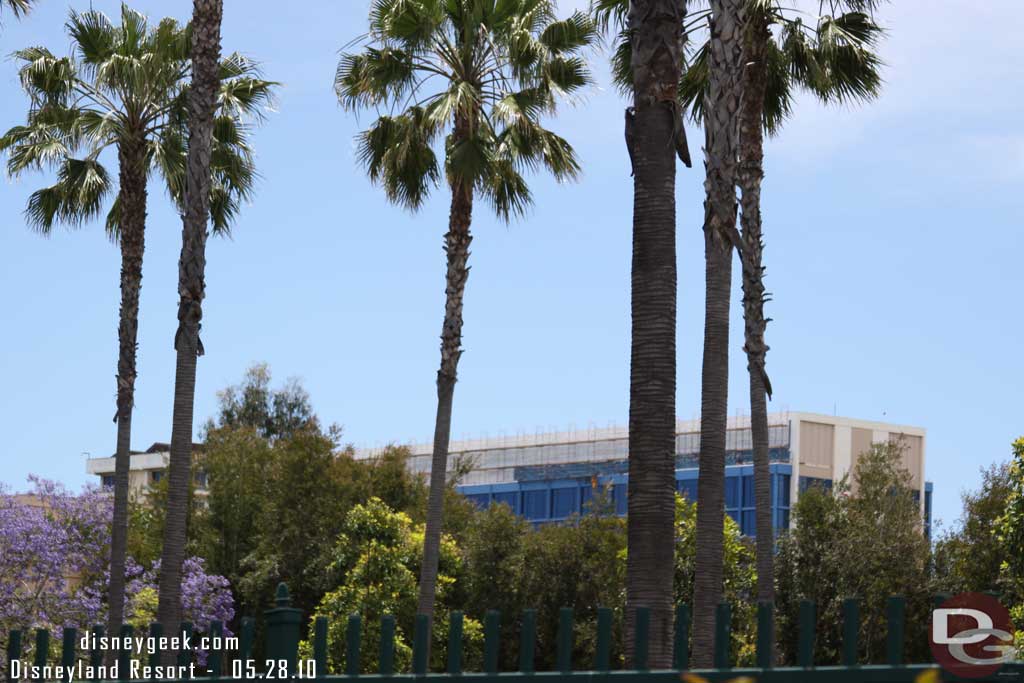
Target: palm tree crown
x: 496, y: 69
x: 125, y: 84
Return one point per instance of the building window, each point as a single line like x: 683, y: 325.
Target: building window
x: 620, y: 492
x: 481, y: 500
x: 808, y: 482
x: 563, y: 502
x: 155, y: 476
x: 510, y: 498
x: 687, y: 489
x: 107, y: 481
x: 535, y: 504
x: 200, y: 478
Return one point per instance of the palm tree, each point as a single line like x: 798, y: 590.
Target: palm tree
x: 499, y: 70
x: 202, y: 122
x: 652, y: 31
x: 18, y: 8
x: 124, y: 88
x: 832, y: 60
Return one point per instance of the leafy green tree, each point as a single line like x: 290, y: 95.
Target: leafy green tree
x: 484, y: 75
x: 969, y: 558
x: 1010, y: 526
x: 273, y: 413
x: 864, y: 541
x: 373, y: 566
x: 124, y: 88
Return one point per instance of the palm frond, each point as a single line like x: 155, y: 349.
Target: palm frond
x: 397, y: 153
x: 76, y: 197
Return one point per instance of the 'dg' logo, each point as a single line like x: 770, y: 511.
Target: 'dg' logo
x: 971, y: 635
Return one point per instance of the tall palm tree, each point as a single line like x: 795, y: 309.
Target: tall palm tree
x: 652, y: 31
x: 499, y: 70
x: 833, y: 60
x: 123, y: 88
x: 721, y: 104
x: 202, y: 122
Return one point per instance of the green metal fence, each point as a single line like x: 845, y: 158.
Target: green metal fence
x: 284, y: 625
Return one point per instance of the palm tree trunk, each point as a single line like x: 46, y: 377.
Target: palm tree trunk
x: 656, y: 28
x: 206, y: 21
x: 750, y: 175
x: 456, y: 246
x: 132, y: 200
x: 721, y: 110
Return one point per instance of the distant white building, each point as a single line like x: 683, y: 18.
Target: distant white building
x: 145, y: 468
x: 550, y: 476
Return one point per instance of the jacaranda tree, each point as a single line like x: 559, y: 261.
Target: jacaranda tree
x: 481, y: 77
x: 124, y: 88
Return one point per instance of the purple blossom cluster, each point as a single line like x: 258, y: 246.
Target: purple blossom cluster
x: 54, y: 565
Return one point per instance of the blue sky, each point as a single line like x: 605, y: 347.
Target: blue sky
x: 893, y: 251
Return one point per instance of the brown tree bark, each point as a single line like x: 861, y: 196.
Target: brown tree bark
x: 750, y: 176
x: 720, y: 121
x: 206, y: 23
x: 653, y: 127
x: 132, y: 201
x: 456, y: 247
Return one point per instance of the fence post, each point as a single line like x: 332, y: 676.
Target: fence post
x: 13, y: 652
x: 283, y: 624
x: 938, y: 599
x: 455, y: 643
x: 681, y: 654
x: 765, y: 635
x: 387, y: 645
x: 723, y: 627
x: 42, y: 647
x: 805, y: 652
x: 895, y: 611
x: 603, y: 651
x: 184, y: 653
x: 96, y: 654
x: 420, y: 644
x: 245, y: 640
x: 124, y: 655
x: 564, y: 657
x: 156, y: 631
x: 851, y: 631
x: 641, y: 638
x: 67, y: 652
x: 320, y: 646
x: 492, y: 633
x: 353, y: 636
x: 215, y: 657
x: 528, y: 641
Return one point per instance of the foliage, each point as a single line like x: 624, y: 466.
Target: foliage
x: 54, y: 554
x: 1010, y: 526
x: 739, y: 575
x: 864, y: 540
x: 499, y: 68
x: 126, y: 86
x: 970, y: 558
x: 374, y: 565
x: 271, y: 413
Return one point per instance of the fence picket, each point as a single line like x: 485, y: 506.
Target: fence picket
x: 124, y: 655
x: 387, y: 645
x: 353, y: 638
x: 681, y: 649
x: 184, y: 654
x: 320, y: 646
x: 13, y: 652
x: 215, y: 657
x: 492, y: 635
x: 455, y: 643
x: 895, y: 613
x: 420, y: 643
x: 564, y: 652
x: 805, y: 647
x: 641, y: 642
x: 527, y: 641
x: 156, y: 631
x: 723, y: 631
x: 851, y: 631
x: 42, y: 646
x: 245, y: 640
x: 96, y: 654
x: 67, y: 651
x: 603, y: 651
x: 765, y: 635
